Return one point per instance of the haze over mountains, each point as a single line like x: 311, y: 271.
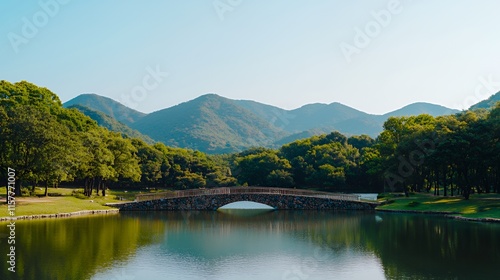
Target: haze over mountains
x: 215, y: 124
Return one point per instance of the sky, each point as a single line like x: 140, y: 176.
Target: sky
x: 373, y: 55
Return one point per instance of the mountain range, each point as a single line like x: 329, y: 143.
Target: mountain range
x: 215, y: 124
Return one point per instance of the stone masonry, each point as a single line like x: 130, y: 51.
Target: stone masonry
x: 213, y: 202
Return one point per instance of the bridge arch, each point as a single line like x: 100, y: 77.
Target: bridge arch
x: 246, y: 205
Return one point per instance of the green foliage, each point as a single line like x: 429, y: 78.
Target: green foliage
x: 279, y: 178
x: 190, y: 180
x: 48, y: 144
x: 453, y: 154
x: 325, y: 162
x: 216, y: 125
x: 361, y: 141
x: 209, y: 123
x: 111, y: 123
x: 107, y: 106
x: 489, y: 103
x: 255, y: 168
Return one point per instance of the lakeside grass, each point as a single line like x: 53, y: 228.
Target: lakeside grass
x: 51, y: 205
x: 64, y: 201
x: 478, y: 205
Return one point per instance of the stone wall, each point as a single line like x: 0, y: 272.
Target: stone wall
x: 213, y: 202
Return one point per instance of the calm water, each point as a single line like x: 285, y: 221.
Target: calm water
x: 290, y: 245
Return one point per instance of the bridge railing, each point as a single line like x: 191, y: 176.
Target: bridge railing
x: 246, y: 190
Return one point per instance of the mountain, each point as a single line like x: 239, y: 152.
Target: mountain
x: 321, y: 118
x: 273, y: 114
x: 108, y: 106
x: 215, y: 124
x: 112, y: 124
x: 324, y: 116
x: 488, y: 103
x: 420, y: 108
x: 208, y: 123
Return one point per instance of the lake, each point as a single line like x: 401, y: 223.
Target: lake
x: 253, y: 244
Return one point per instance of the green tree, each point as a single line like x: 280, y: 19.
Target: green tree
x: 255, y: 169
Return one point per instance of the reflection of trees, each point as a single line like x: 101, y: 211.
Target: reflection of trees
x: 274, y: 221
x: 436, y: 248
x: 75, y: 248
x: 214, y: 234
x: 408, y: 246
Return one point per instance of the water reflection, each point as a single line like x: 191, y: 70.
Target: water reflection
x: 430, y: 248
x: 255, y: 245
x: 244, y: 212
x: 76, y: 248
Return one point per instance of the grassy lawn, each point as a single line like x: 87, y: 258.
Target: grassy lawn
x: 51, y: 205
x: 478, y: 206
x: 64, y: 200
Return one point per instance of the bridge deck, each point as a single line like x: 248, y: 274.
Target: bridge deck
x: 246, y: 190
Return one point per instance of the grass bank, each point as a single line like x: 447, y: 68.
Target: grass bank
x: 62, y: 200
x: 479, y: 206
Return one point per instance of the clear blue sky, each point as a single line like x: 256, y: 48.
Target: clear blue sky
x: 284, y: 53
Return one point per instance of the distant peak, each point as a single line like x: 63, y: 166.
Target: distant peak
x: 210, y: 95
x: 93, y: 95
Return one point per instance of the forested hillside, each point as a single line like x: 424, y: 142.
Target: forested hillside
x: 48, y: 144
x: 108, y: 106
x: 215, y: 124
x: 209, y: 123
x: 111, y: 123
x: 448, y: 155
x: 488, y: 103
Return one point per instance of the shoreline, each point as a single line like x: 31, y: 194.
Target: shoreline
x: 449, y: 215
x: 61, y: 215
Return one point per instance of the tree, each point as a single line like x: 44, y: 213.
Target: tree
x: 36, y: 145
x: 279, y: 178
x: 150, y: 162
x: 125, y: 164
x: 328, y: 176
x: 361, y: 141
x: 255, y: 169
x: 99, y: 166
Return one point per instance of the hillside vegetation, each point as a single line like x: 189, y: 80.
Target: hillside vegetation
x: 112, y: 124
x: 216, y: 125
x: 488, y: 103
x: 209, y: 123
x: 107, y: 106
x: 48, y: 145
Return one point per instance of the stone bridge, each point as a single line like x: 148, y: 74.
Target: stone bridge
x: 213, y: 199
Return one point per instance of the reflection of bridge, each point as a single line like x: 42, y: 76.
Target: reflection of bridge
x: 212, y: 199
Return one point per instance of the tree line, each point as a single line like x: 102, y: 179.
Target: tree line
x: 48, y: 145
x: 449, y: 155
x: 454, y: 154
